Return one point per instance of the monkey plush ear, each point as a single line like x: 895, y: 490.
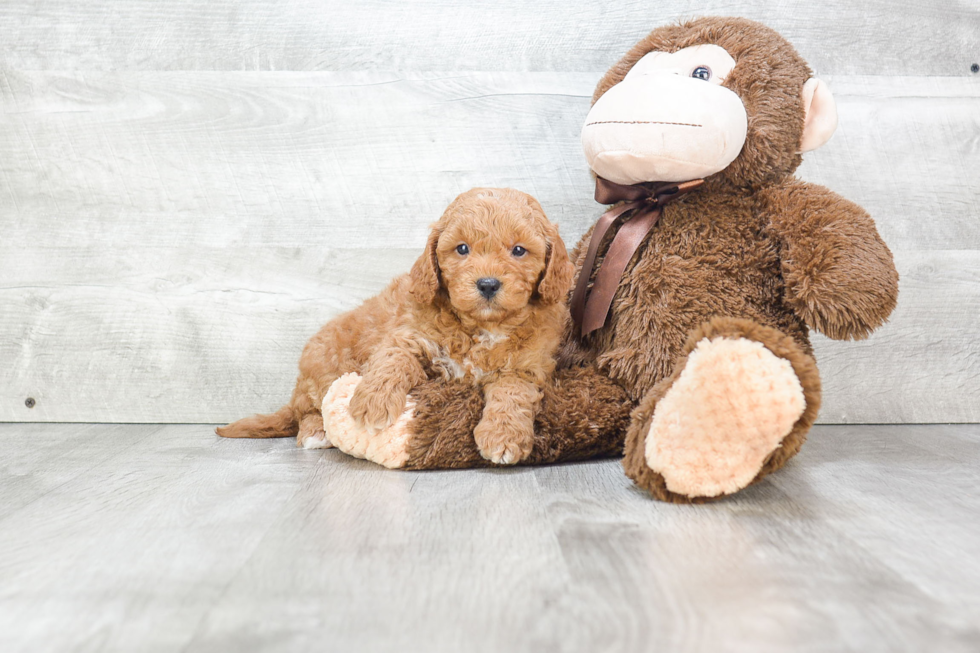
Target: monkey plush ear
x: 558, y: 271
x: 820, y: 115
x: 425, y: 272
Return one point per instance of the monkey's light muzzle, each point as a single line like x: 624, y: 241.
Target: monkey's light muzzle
x: 663, y: 127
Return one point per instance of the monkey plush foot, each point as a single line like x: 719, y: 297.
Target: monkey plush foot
x: 727, y: 411
x: 387, y: 447
x: 719, y: 422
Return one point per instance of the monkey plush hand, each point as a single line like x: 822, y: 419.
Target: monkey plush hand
x: 700, y: 370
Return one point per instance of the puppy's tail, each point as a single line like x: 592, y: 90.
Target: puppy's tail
x: 280, y: 424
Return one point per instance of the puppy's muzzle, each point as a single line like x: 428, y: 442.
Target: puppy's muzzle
x: 488, y: 286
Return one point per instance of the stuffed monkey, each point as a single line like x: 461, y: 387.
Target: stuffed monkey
x: 700, y: 370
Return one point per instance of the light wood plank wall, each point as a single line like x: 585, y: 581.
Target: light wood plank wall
x: 188, y: 190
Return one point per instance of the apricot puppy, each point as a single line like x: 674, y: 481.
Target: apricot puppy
x: 484, y: 303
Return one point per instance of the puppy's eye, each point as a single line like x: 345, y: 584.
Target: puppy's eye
x: 518, y: 251
x: 701, y: 72
x: 462, y: 249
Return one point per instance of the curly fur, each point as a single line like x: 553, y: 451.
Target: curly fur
x: 435, y: 323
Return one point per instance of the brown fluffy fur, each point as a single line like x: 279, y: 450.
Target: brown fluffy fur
x: 755, y: 254
x: 778, y: 343
x: 433, y: 322
x: 583, y: 416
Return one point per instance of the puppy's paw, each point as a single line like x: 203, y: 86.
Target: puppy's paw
x: 318, y: 440
x: 376, y: 408
x: 502, y: 443
x: 311, y: 434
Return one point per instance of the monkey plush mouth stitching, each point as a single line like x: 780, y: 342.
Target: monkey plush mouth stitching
x: 640, y: 122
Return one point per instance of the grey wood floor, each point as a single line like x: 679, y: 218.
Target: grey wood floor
x: 166, y: 538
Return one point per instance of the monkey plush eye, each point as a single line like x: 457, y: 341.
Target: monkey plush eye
x: 702, y: 72
x: 462, y: 249
x: 518, y: 251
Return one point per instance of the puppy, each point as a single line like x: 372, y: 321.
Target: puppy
x: 484, y: 303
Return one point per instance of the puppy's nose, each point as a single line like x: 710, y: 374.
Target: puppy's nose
x: 488, y: 286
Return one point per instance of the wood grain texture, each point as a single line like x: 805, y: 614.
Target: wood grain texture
x: 837, y: 37
x: 141, y: 537
x: 921, y: 367
x: 166, y: 335
x: 907, y: 150
x: 172, y: 239
x: 188, y: 334
x: 288, y: 159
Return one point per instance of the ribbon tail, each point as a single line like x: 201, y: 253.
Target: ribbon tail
x: 588, y: 265
x: 621, y: 251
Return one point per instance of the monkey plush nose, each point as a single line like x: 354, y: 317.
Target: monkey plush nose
x: 488, y: 286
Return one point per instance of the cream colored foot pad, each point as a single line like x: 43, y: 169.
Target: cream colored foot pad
x: 728, y: 410
x: 388, y: 447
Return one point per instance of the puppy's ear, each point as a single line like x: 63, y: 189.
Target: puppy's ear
x: 558, y: 270
x: 425, y: 275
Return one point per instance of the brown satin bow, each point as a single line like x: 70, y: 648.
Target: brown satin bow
x: 647, y: 206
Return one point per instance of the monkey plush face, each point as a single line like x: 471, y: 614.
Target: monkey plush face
x: 712, y: 96
x: 670, y: 119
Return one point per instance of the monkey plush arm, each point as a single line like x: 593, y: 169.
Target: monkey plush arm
x: 840, y: 277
